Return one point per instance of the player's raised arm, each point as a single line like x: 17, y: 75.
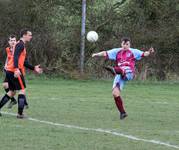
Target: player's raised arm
x: 110, y: 54
x: 100, y: 54
x: 149, y: 52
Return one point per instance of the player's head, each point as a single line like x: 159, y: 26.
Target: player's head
x: 125, y: 43
x: 12, y: 40
x: 26, y: 35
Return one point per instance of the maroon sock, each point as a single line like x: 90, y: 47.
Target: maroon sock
x: 118, y: 70
x: 119, y: 104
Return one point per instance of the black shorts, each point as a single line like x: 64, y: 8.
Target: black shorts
x: 5, y: 80
x: 15, y: 83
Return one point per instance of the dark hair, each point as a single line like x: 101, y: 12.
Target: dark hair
x: 23, y: 32
x: 11, y: 36
x: 125, y: 39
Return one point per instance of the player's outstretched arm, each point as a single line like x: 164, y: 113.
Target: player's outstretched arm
x: 100, y: 54
x: 149, y: 52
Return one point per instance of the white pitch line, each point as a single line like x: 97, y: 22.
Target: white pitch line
x: 164, y: 103
x: 131, y: 137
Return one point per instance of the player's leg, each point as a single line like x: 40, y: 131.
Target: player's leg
x: 20, y: 85
x: 23, y: 86
x: 12, y: 102
x: 6, y: 88
x: 116, y: 92
x: 115, y: 70
x: 6, y: 98
x: 9, y: 94
x: 119, y: 102
x: 21, y: 103
x: 26, y: 104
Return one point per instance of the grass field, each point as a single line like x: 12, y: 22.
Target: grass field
x: 153, y: 110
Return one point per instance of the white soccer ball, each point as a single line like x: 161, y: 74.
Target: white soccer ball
x: 92, y: 36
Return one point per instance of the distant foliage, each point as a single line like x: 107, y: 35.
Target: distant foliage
x: 56, y: 32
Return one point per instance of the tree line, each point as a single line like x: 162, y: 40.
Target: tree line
x: 56, y: 28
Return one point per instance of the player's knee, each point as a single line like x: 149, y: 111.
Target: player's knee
x: 22, y: 92
x: 10, y: 93
x: 115, y: 92
x: 5, y: 85
x: 13, y: 93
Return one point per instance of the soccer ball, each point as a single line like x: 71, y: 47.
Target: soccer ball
x: 92, y: 36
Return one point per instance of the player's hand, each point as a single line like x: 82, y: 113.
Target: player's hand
x: 17, y: 73
x: 151, y: 50
x: 38, y: 69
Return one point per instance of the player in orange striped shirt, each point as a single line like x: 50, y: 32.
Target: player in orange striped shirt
x: 9, y: 51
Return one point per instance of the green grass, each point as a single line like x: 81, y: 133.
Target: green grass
x: 152, y: 107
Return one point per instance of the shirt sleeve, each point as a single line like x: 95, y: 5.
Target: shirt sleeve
x: 6, y: 62
x: 6, y: 59
x: 138, y: 54
x: 111, y: 54
x: 18, y: 50
x: 27, y: 65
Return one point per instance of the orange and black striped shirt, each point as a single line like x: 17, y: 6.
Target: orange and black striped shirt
x: 18, y: 59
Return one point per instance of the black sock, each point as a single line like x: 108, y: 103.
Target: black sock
x: 13, y: 99
x: 4, y: 100
x: 26, y: 102
x: 7, y: 90
x: 21, y: 103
